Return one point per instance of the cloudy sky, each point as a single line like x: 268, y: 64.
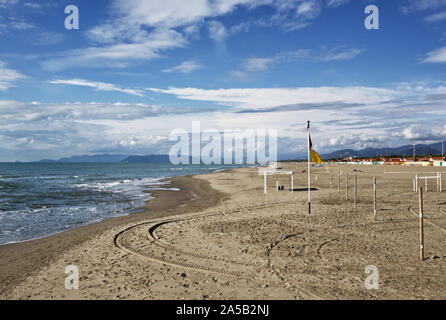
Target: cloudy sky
x: 136, y: 70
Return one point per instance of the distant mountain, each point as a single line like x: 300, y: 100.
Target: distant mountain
x: 47, y: 161
x: 153, y: 158
x: 407, y: 150
x: 101, y: 158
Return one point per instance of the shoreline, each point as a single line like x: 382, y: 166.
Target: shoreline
x: 21, y: 259
x: 254, y: 246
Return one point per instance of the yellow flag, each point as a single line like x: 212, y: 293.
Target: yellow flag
x: 315, y: 157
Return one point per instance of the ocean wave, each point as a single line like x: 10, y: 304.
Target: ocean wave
x: 163, y: 189
x: 36, y: 203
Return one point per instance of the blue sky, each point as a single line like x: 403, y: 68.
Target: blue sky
x: 136, y: 70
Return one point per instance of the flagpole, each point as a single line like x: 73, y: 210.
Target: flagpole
x: 309, y: 173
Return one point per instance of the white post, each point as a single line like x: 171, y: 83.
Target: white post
x: 309, y: 170
x: 374, y: 199
x: 438, y: 184
x: 421, y: 224
x: 292, y: 183
x: 425, y: 183
x: 331, y: 180
x: 413, y: 184
x: 264, y: 182
x: 339, y: 181
x: 416, y: 182
x: 277, y: 184
x: 441, y: 183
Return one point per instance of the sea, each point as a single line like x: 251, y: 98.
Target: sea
x: 41, y: 199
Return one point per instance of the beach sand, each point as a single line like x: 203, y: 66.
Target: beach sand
x: 222, y: 238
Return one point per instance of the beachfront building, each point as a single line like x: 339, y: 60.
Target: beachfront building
x: 405, y: 161
x: 395, y: 161
x: 438, y: 162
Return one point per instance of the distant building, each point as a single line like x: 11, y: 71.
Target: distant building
x: 438, y: 162
x: 395, y: 161
x: 406, y: 161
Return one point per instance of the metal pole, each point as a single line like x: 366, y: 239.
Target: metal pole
x: 356, y: 190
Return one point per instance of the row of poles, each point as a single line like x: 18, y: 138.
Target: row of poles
x: 438, y: 178
x: 420, y: 200
x: 355, y: 189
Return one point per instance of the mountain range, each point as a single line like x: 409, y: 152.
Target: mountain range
x: 407, y: 150
x: 404, y: 151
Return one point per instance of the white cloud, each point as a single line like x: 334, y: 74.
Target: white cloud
x: 120, y: 54
x: 185, y: 67
x: 171, y: 14
x: 336, y: 54
x: 253, y: 65
x: 419, y: 132
x: 145, y: 30
x: 19, y: 24
x: 125, y: 39
x: 326, y: 55
x: 262, y: 98
x: 192, y: 31
x: 342, y: 117
x: 257, y: 64
x: 336, y: 3
x: 308, y: 9
x: 7, y: 3
x: 8, y: 77
x: 99, y: 86
x: 296, y: 14
x: 436, y: 17
x: 21, y: 112
x: 358, y: 117
x: 217, y: 31
x: 436, y: 56
x: 422, y: 5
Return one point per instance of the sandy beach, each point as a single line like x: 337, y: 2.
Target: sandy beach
x: 221, y: 237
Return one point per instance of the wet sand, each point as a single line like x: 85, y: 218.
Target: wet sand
x: 246, y: 245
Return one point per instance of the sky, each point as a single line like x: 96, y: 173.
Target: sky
x: 134, y: 71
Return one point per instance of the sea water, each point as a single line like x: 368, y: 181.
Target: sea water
x: 41, y: 199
